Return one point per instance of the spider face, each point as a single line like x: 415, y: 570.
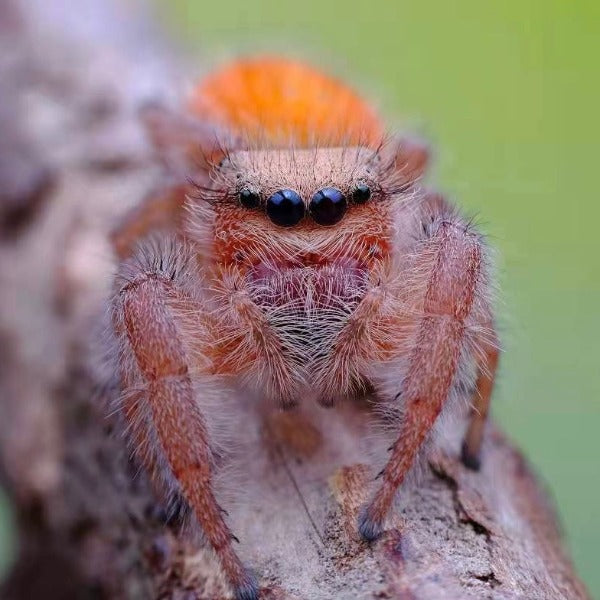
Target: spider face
x: 290, y: 209
x: 304, y: 234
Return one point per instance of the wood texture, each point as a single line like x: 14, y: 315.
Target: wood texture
x: 89, y: 525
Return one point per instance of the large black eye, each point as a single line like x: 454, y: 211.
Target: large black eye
x: 361, y: 193
x: 285, y: 208
x: 328, y: 206
x: 249, y: 199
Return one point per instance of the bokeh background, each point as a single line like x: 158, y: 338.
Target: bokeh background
x: 508, y: 93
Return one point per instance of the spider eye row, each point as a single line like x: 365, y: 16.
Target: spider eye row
x: 286, y: 207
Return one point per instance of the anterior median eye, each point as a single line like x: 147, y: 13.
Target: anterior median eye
x: 361, y: 193
x: 285, y: 208
x: 249, y: 199
x: 328, y: 206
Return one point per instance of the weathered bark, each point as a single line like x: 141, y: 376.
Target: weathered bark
x: 73, y: 158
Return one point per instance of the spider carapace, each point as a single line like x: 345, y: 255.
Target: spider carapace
x: 294, y: 250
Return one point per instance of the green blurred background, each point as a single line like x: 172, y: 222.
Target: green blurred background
x: 508, y: 94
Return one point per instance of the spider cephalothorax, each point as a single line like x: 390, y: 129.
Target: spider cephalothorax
x: 307, y: 262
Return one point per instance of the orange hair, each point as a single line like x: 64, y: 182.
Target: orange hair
x: 279, y: 101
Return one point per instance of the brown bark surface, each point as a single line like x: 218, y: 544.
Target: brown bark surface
x: 72, y: 159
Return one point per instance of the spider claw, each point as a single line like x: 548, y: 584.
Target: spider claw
x: 234, y: 538
x: 368, y: 528
x: 380, y: 474
x: 470, y: 460
x: 247, y: 590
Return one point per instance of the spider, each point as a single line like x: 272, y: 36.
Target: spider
x: 301, y: 258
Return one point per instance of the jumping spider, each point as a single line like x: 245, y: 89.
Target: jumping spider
x: 305, y: 260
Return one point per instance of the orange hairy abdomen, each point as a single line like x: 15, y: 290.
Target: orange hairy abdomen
x: 279, y: 102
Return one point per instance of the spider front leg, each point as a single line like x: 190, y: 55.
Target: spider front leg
x: 152, y: 316
x: 453, y: 258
